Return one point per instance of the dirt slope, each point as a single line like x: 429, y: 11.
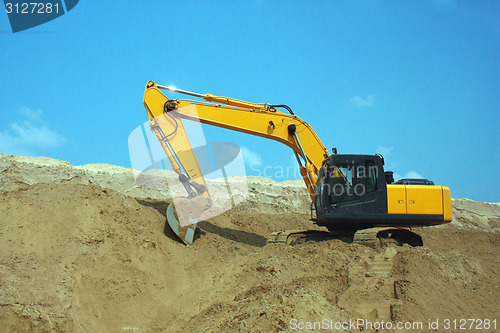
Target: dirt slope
x: 77, y: 256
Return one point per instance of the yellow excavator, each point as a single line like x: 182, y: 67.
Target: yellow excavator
x: 352, y: 196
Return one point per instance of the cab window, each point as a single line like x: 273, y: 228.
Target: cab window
x: 371, y: 176
x: 344, y: 183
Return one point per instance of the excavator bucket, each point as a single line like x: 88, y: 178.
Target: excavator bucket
x: 186, y: 234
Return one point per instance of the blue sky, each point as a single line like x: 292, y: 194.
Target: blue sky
x: 415, y: 80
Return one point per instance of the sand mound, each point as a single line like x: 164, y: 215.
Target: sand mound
x: 469, y: 214
x: 263, y: 194
x: 78, y: 255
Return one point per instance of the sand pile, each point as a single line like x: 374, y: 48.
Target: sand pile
x: 82, y: 249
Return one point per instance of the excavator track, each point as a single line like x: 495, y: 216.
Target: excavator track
x: 371, y: 237
x: 294, y: 237
x: 368, y: 237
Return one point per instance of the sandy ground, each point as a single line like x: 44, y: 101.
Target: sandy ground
x: 83, y: 249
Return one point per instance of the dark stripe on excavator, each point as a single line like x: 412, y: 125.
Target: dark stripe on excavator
x: 383, y: 220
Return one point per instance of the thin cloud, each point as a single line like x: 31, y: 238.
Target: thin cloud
x: 250, y: 157
x: 362, y: 102
x: 391, y: 165
x: 28, y: 134
x: 384, y: 151
x: 413, y: 174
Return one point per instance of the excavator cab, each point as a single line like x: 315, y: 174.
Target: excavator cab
x: 354, y: 192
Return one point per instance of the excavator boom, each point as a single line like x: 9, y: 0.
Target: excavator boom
x: 257, y: 119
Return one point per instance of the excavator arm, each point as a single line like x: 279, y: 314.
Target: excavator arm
x: 264, y: 120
